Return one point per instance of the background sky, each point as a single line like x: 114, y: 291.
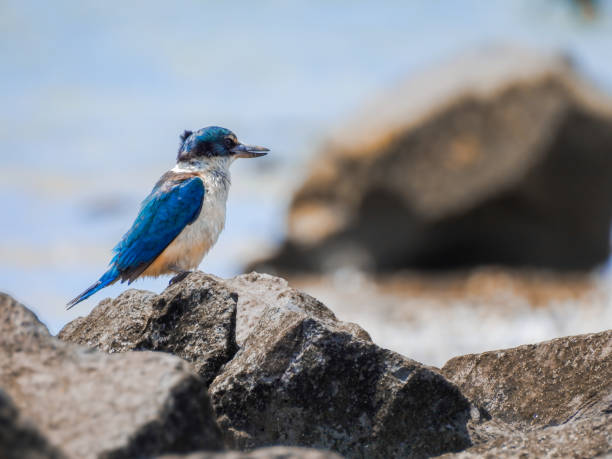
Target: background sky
x: 95, y: 94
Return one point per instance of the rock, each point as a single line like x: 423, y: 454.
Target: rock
x: 195, y: 320
x: 541, y: 384
x: 93, y: 404
x: 301, y: 377
x: 257, y: 291
x: 304, y: 378
x: 19, y: 438
x: 585, y: 438
x: 275, y: 452
x: 501, y: 157
x: 546, y: 400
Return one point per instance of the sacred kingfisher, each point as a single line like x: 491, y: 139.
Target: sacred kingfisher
x: 183, y: 215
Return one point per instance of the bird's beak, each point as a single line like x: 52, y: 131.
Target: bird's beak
x: 248, y: 151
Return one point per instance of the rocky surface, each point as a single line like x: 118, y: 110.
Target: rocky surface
x: 297, y: 376
x: 541, y: 384
x: 275, y: 452
x: 19, y: 438
x: 91, y: 404
x: 552, y: 399
x: 304, y: 378
x: 500, y: 157
x: 195, y: 320
x: 301, y: 377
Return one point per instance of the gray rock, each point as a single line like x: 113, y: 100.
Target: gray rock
x: 304, y: 378
x: 275, y: 452
x: 301, y: 376
x: 19, y: 438
x: 543, y: 384
x: 480, y: 161
x: 194, y: 320
x: 93, y: 404
x: 552, y: 399
x: 584, y: 438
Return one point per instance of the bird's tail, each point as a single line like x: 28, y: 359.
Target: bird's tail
x: 107, y: 278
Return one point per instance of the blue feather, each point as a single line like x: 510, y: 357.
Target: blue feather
x: 171, y: 206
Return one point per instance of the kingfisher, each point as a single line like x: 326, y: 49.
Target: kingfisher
x: 182, y: 217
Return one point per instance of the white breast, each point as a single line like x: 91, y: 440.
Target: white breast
x: 188, y: 249
x: 197, y: 238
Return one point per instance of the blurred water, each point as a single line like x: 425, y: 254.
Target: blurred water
x: 95, y: 94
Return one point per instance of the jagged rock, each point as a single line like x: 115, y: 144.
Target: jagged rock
x: 257, y: 291
x: 19, y: 438
x: 541, y: 384
x: 301, y: 377
x: 92, y: 404
x: 194, y: 320
x: 276, y: 452
x: 304, y: 378
x: 501, y: 157
x: 552, y: 399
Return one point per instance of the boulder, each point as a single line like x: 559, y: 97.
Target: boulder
x: 541, y: 384
x: 275, y: 452
x: 500, y: 157
x: 19, y: 438
x: 551, y: 399
x: 300, y: 377
x: 195, y: 320
x: 91, y: 404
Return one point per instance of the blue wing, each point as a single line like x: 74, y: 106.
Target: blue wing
x: 170, y: 207
x: 173, y: 204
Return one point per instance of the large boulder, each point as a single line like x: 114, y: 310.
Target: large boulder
x: 546, y: 399
x: 91, y: 404
x: 301, y: 377
x: 19, y: 437
x: 539, y: 384
x: 501, y: 157
x: 195, y: 320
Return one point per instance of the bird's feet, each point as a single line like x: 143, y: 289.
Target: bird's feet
x: 179, y: 277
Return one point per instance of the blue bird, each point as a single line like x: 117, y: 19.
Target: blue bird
x: 183, y: 215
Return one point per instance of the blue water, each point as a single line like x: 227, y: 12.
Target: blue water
x: 94, y: 96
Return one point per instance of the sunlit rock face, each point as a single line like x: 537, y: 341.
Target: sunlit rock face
x: 545, y: 399
x: 90, y: 404
x: 500, y: 157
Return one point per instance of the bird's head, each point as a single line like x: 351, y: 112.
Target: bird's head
x: 215, y: 142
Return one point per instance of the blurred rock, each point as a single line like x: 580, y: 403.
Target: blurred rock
x: 303, y: 378
x: 20, y: 439
x: 194, y: 320
x: 550, y: 399
x: 275, y: 452
x: 502, y: 157
x: 482, y: 308
x: 92, y: 404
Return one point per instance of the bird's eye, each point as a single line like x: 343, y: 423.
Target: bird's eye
x: 229, y: 142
